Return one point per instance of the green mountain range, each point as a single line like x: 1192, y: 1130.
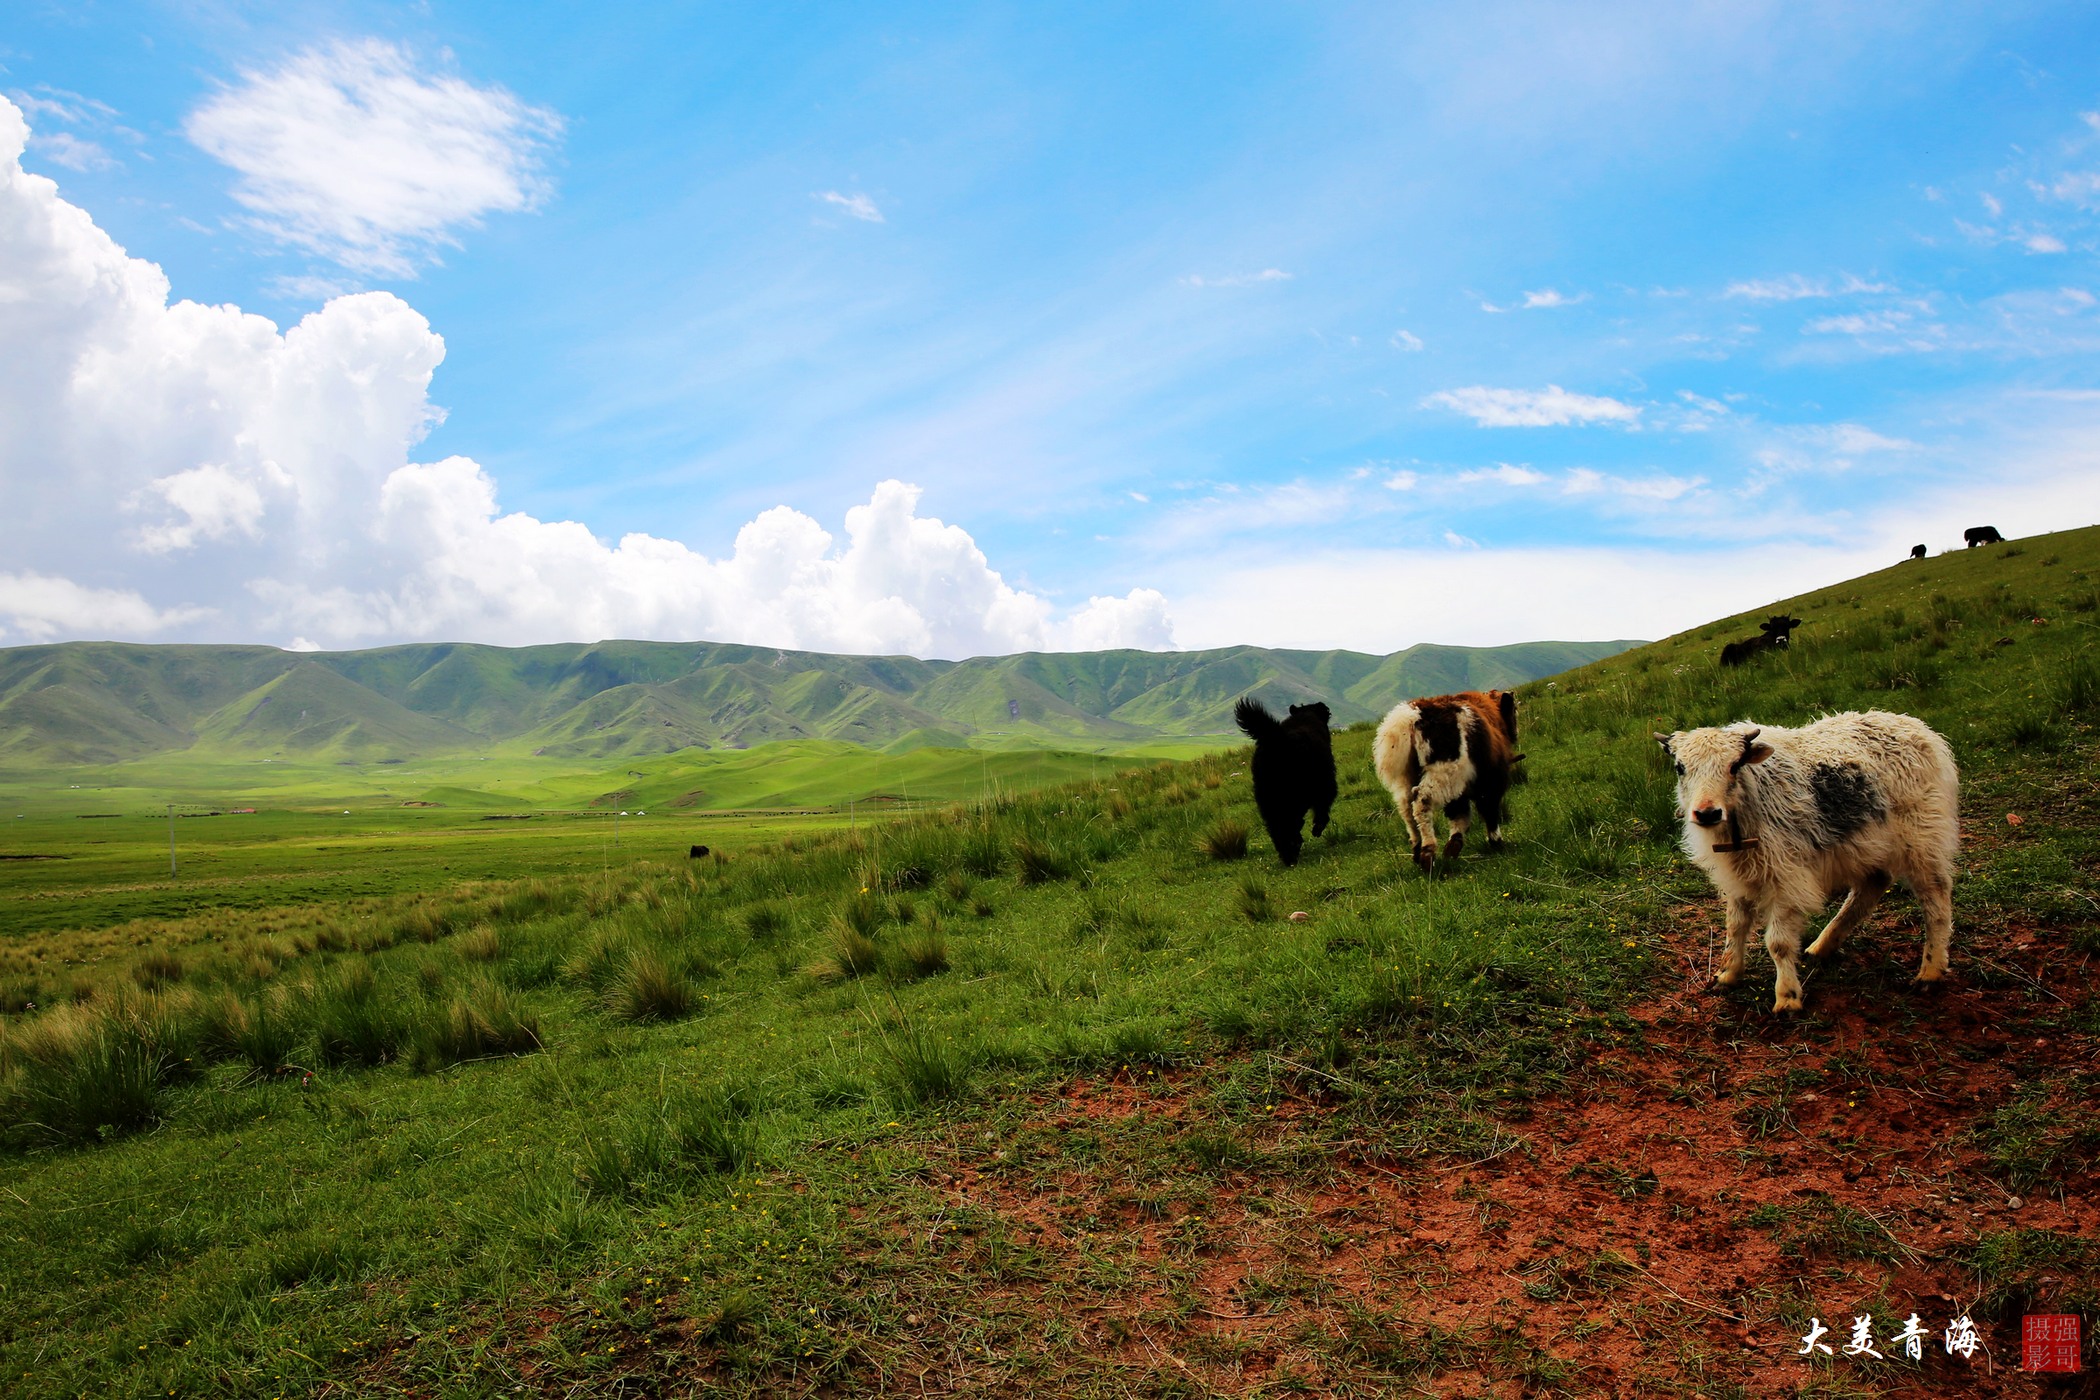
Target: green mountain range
x: 111, y: 702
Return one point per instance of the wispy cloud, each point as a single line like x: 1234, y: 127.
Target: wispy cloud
x: 58, y: 104
x: 1795, y: 287
x: 857, y: 206
x: 1406, y: 340
x: 1238, y: 279
x: 1852, y: 440
x: 1891, y: 330
x: 1502, y: 474
x: 1550, y: 407
x: 352, y: 152
x: 308, y: 287
x: 1544, y: 299
x: 73, y: 152
x: 1858, y: 323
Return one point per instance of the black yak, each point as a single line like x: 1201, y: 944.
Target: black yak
x: 1293, y: 770
x: 1775, y: 632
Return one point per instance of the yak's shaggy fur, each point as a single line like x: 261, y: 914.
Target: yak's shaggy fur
x: 1454, y: 752
x: 1782, y: 819
x: 1293, y: 771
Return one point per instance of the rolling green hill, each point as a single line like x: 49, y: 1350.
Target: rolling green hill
x: 107, y: 702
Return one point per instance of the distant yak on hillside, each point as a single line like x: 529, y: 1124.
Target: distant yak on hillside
x: 1774, y: 634
x: 1982, y: 534
x: 1917, y: 551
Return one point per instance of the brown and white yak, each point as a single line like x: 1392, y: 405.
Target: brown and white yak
x: 1782, y: 819
x: 1454, y: 752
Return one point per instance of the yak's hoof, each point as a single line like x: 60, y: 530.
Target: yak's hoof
x: 1425, y: 857
x: 1495, y: 843
x: 1456, y: 844
x: 1782, y: 1006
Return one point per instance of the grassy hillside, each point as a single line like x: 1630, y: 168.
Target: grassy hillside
x: 1055, y: 1093
x: 94, y: 703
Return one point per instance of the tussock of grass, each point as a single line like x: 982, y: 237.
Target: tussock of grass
x: 922, y: 1067
x: 921, y: 954
x: 1226, y: 840
x: 862, y: 912
x: 1038, y: 862
x: 92, y: 1072
x: 735, y: 1316
x: 156, y: 969
x: 261, y: 1031
x: 650, y: 988
x: 599, y: 958
x: 675, y: 1143
x: 484, y: 1020
x: 480, y: 943
x: 425, y: 923
x: 2078, y: 684
x: 1254, y: 901
x: 852, y: 954
x: 353, y: 1021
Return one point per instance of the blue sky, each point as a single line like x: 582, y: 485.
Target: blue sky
x: 1301, y: 325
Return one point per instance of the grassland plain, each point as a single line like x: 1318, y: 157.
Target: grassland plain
x: 88, y: 848
x: 1040, y: 1094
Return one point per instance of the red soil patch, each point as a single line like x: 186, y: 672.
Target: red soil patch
x: 1607, y: 1244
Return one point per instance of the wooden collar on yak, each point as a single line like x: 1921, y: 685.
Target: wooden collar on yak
x: 1736, y: 840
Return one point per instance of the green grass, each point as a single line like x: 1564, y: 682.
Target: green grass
x: 398, y: 1127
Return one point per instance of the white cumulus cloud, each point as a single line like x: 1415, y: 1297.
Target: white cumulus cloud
x: 177, y: 470
x: 351, y: 152
x: 1549, y: 407
x: 41, y: 608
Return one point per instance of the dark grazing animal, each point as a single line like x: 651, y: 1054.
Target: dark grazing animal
x: 696, y: 853
x: 1293, y: 770
x: 1773, y: 634
x: 1982, y: 534
x: 1781, y: 819
x: 1917, y: 551
x: 1454, y: 752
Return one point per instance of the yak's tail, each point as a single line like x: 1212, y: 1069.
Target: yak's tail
x: 1393, y: 750
x: 1254, y: 719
